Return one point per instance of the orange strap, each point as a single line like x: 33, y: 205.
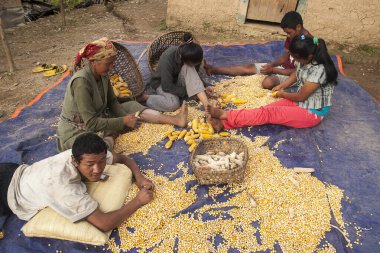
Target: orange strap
x: 38, y: 97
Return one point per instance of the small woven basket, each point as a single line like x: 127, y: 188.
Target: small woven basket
x: 126, y: 67
x: 205, y: 175
x: 160, y: 44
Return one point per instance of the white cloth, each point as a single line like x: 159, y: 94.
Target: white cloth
x: 53, y: 182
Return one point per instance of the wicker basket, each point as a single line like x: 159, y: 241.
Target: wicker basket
x: 204, y: 174
x: 126, y: 67
x: 160, y: 44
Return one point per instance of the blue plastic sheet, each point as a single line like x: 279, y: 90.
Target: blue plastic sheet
x: 344, y: 149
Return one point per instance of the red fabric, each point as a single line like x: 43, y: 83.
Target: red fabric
x: 283, y: 112
x: 289, y: 63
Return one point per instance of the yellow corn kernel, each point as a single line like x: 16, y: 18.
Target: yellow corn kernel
x: 210, y: 128
x: 182, y: 134
x: 194, y: 124
x: 173, y: 137
x: 206, y: 136
x: 224, y: 134
x: 203, y: 131
x: 195, y: 136
x: 168, y: 133
x: 169, y: 144
x: 192, y: 147
x: 239, y: 101
x: 176, y: 132
x: 115, y: 91
x: 190, y: 142
x: 223, y: 105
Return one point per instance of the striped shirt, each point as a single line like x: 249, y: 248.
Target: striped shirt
x: 314, y: 73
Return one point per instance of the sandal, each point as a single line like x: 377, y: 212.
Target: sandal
x: 43, y: 67
x: 55, y: 71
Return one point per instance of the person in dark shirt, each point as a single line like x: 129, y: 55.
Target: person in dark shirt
x: 177, y: 76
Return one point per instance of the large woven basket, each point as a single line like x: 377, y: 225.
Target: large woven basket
x: 160, y: 44
x: 126, y: 67
x: 205, y: 175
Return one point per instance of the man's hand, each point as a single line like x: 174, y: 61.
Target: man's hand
x: 143, y: 182
x: 144, y: 196
x: 266, y: 69
x: 131, y: 121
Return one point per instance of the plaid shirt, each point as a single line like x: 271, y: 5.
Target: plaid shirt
x: 314, y: 74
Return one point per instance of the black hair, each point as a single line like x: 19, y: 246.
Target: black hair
x: 291, y: 19
x: 88, y: 143
x: 303, y: 46
x: 190, y: 51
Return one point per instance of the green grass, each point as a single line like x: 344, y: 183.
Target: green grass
x: 68, y: 3
x: 369, y: 49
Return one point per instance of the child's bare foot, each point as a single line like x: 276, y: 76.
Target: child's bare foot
x: 216, y: 123
x: 208, y: 68
x: 182, y: 116
x: 216, y: 112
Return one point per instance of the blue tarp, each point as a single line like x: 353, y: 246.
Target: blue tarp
x: 344, y: 149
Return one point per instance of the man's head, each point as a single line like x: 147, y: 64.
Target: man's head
x: 292, y: 24
x: 89, y: 153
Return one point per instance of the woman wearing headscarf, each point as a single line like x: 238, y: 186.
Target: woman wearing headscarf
x: 91, y: 106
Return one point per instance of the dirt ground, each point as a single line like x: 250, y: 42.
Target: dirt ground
x: 46, y: 41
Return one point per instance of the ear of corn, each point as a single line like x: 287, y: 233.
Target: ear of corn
x: 120, y: 88
x: 224, y: 134
x: 192, y: 147
x: 169, y: 144
x: 182, y: 134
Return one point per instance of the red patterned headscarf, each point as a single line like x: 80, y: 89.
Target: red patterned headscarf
x: 96, y: 50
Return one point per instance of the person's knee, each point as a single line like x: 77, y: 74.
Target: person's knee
x: 269, y: 83
x: 164, y: 106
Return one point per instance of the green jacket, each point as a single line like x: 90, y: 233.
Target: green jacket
x: 87, y: 104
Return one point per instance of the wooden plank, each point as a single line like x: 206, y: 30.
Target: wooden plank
x: 6, y: 48
x: 272, y: 11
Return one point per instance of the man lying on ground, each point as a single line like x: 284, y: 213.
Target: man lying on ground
x: 58, y: 182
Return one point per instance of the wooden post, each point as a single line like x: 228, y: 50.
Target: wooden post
x: 63, y: 13
x: 6, y: 48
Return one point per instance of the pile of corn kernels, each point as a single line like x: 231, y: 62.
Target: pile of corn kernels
x: 273, y: 206
x: 296, y: 217
x: 142, y: 139
x: 246, y: 88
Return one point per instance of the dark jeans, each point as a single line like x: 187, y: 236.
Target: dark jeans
x: 6, y: 172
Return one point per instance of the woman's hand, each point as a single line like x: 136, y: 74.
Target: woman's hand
x: 131, y: 121
x: 210, y: 92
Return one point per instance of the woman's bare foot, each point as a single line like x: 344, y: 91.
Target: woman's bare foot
x: 181, y: 117
x: 216, y: 112
x: 142, y: 98
x: 216, y: 123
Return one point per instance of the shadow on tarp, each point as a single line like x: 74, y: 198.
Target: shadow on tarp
x: 344, y: 149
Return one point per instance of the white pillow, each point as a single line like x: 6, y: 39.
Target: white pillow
x: 109, y: 194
